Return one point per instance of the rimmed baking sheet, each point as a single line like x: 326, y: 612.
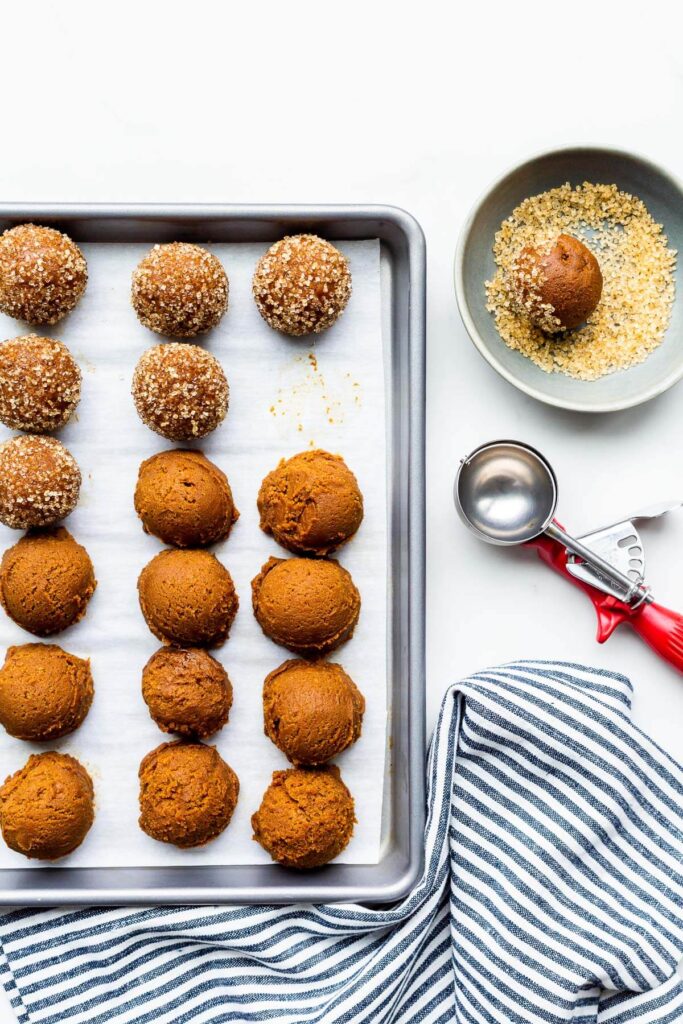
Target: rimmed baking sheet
x: 363, y: 375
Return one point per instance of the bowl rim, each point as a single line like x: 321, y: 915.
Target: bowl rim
x: 615, y: 405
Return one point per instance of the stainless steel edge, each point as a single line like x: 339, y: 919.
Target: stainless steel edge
x: 392, y: 879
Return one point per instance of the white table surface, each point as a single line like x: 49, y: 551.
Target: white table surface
x: 390, y: 103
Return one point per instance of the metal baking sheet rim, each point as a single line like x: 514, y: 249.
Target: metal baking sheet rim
x: 403, y: 246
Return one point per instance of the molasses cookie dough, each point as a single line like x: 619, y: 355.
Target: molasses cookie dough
x: 186, y: 691
x: 39, y: 482
x: 45, y: 692
x: 637, y: 268
x: 184, y: 499
x: 40, y: 384
x: 42, y: 274
x: 309, y: 606
x: 46, y: 808
x: 46, y: 581
x: 180, y: 391
x: 180, y: 289
x: 312, y: 712
x: 302, y: 285
x: 311, y: 503
x: 187, y: 794
x: 559, y: 286
x: 306, y: 817
x: 187, y: 598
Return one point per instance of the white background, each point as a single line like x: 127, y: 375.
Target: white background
x: 420, y: 105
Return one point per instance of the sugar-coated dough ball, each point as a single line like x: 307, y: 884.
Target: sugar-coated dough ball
x: 42, y: 274
x: 180, y: 290
x: 180, y: 391
x: 302, y: 285
x: 39, y: 482
x: 40, y: 384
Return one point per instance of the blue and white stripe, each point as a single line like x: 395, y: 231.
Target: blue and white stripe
x: 552, y: 893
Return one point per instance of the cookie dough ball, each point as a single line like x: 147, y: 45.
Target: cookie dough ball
x: 311, y: 607
x: 184, y: 499
x: 45, y: 692
x: 39, y: 482
x: 311, y: 503
x: 311, y: 711
x: 187, y: 691
x: 180, y: 290
x: 306, y: 817
x: 46, y: 581
x: 187, y: 598
x: 187, y: 794
x: 180, y: 391
x: 40, y: 384
x: 301, y: 285
x: 46, y: 808
x: 559, y: 287
x: 42, y: 274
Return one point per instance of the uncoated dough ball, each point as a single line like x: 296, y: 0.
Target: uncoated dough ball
x: 40, y: 384
x: 180, y: 391
x: 306, y: 817
x: 310, y: 606
x: 39, y: 482
x: 45, y: 692
x: 187, y: 794
x: 187, y: 691
x: 559, y: 287
x: 42, y: 274
x: 184, y: 499
x: 180, y: 289
x: 46, y: 581
x: 311, y: 711
x: 311, y: 503
x: 187, y: 598
x: 302, y: 285
x: 46, y: 808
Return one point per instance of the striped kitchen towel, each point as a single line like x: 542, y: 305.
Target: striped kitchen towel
x: 552, y: 892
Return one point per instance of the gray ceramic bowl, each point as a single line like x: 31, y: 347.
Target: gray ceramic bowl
x: 474, y: 265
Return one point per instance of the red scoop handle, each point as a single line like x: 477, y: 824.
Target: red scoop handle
x: 659, y: 627
x: 662, y: 630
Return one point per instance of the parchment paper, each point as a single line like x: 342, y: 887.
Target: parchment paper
x: 285, y: 395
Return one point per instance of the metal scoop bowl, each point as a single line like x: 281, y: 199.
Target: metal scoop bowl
x: 505, y: 492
